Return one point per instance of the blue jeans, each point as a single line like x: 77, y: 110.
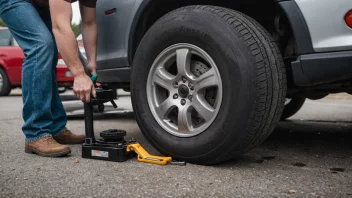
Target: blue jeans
x: 43, y: 112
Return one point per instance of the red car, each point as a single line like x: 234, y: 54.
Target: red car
x: 11, y: 60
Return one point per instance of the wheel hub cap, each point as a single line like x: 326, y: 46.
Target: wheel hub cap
x: 183, y: 91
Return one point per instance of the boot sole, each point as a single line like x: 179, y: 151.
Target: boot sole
x: 70, y: 142
x: 32, y: 151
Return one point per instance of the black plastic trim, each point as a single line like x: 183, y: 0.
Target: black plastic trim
x: 314, y: 69
x: 116, y: 75
x: 133, y: 31
x: 299, y: 27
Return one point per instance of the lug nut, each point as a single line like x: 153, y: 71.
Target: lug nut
x: 190, y: 98
x: 190, y: 85
x: 175, y: 96
x: 183, y: 102
x: 184, y: 79
x: 175, y: 84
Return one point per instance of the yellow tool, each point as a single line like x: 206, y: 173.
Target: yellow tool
x: 144, y: 156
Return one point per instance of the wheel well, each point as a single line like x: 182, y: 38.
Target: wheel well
x: 267, y: 12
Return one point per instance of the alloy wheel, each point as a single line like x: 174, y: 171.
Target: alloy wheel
x: 184, y: 90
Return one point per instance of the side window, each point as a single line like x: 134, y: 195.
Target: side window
x: 5, y: 37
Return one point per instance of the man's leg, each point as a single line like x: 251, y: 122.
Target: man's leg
x: 60, y: 132
x: 35, y: 40
x: 57, y: 109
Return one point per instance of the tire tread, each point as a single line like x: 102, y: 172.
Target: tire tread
x: 269, y: 65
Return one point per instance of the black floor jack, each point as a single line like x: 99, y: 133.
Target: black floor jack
x: 112, y: 145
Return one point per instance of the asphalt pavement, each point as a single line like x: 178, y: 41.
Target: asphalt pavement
x: 309, y: 155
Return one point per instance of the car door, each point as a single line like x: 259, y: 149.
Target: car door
x: 114, y: 18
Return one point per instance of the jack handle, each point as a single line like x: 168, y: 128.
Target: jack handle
x: 144, y: 156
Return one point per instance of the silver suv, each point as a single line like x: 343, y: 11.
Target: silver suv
x: 211, y: 79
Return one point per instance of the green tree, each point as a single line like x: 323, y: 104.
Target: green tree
x: 76, y: 28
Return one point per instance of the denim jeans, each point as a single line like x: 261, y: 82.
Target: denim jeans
x: 43, y: 112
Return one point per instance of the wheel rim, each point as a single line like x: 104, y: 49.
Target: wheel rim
x: 1, y: 82
x: 184, y: 90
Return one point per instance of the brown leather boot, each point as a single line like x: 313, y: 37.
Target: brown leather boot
x: 67, y: 137
x: 47, y: 147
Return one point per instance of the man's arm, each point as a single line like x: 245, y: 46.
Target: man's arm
x: 90, y: 35
x: 61, y: 14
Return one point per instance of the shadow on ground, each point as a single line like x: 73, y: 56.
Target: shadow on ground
x: 297, y: 143
x: 303, y: 143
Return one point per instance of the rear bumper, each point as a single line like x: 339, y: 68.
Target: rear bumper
x: 314, y: 69
x: 64, y: 76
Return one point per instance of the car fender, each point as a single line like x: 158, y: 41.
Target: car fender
x: 3, y: 65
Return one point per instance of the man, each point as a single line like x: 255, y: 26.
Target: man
x: 37, y: 26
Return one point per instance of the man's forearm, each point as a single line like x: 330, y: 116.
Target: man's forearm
x: 61, y: 14
x: 68, y: 47
x: 90, y: 34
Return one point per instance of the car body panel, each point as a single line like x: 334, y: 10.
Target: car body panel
x: 325, y: 20
x: 114, y: 32
x: 12, y: 59
x: 117, y: 31
x: 64, y: 76
x: 317, y: 25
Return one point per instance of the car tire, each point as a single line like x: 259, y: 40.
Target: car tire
x: 252, y: 79
x: 292, y: 106
x: 5, y: 85
x: 62, y: 89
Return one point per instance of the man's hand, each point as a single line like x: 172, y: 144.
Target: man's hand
x: 83, y: 87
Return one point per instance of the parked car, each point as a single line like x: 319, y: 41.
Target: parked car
x: 11, y: 60
x: 209, y: 79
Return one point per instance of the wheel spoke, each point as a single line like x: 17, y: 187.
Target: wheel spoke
x: 165, y: 108
x: 203, y: 107
x: 163, y: 78
x: 184, y: 119
x: 208, y: 79
x: 183, y: 61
